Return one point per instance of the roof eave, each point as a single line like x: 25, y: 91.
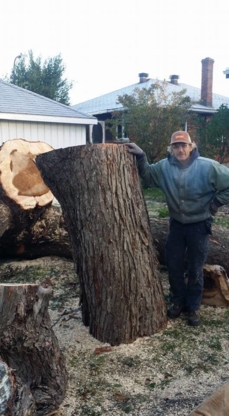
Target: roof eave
x: 48, y: 119
x: 206, y: 110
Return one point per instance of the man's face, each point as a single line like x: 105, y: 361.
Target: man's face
x: 182, y: 152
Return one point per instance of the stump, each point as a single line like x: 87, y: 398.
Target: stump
x: 29, y: 346
x: 105, y: 212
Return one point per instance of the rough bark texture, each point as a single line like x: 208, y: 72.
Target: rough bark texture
x: 29, y: 346
x: 218, y: 248
x: 34, y: 234
x: 107, y: 220
x: 15, y: 399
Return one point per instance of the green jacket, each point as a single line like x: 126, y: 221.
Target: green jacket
x: 189, y: 189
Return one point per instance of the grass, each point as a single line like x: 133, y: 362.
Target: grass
x: 222, y: 221
x: 154, y: 194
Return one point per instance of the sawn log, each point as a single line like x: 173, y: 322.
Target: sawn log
x: 99, y: 191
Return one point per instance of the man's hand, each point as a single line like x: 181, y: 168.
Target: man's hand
x: 213, y: 208
x: 134, y: 149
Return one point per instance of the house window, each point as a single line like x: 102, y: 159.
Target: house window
x: 120, y: 133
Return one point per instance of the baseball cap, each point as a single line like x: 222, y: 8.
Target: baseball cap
x: 180, y: 137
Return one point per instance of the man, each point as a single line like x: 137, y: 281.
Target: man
x: 194, y: 187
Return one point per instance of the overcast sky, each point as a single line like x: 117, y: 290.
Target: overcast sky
x: 106, y: 44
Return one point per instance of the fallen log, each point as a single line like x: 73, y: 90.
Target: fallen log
x: 29, y: 346
x: 29, y: 227
x: 23, y: 194
x: 218, y: 247
x: 20, y: 181
x: 45, y: 236
x: 216, y: 286
x: 99, y: 191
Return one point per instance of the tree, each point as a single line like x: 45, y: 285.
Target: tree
x: 45, y: 79
x: 151, y: 115
x: 214, y: 135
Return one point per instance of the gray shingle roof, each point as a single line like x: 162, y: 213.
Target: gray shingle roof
x: 109, y: 102
x: 16, y: 100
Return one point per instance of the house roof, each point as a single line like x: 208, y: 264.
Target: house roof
x: 109, y: 102
x: 20, y: 104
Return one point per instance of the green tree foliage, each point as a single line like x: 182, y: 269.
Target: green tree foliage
x: 214, y: 135
x: 45, y: 79
x: 151, y: 116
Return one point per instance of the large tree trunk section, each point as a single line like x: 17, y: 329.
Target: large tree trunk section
x: 29, y: 346
x: 218, y: 248
x: 15, y: 398
x: 107, y: 220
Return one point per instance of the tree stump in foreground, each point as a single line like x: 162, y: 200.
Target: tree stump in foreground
x: 29, y: 346
x: 102, y: 202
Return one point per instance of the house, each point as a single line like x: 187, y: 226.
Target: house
x: 205, y: 102
x: 30, y: 116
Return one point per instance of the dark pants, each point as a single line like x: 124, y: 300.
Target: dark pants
x: 186, y: 252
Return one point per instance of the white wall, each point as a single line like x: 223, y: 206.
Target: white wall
x: 56, y: 135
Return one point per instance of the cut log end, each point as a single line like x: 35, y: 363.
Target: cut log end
x: 20, y: 178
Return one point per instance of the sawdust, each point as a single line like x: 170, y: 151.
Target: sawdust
x: 169, y: 373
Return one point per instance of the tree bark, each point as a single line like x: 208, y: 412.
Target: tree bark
x: 43, y: 235
x: 108, y: 224
x: 15, y: 398
x: 29, y: 346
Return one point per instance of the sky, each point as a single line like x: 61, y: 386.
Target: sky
x: 106, y: 44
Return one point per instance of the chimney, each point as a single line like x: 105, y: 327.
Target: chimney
x: 174, y: 79
x: 143, y: 77
x: 206, y: 82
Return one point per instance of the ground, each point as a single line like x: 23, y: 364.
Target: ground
x: 168, y: 373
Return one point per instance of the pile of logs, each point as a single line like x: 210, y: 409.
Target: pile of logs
x: 103, y: 225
